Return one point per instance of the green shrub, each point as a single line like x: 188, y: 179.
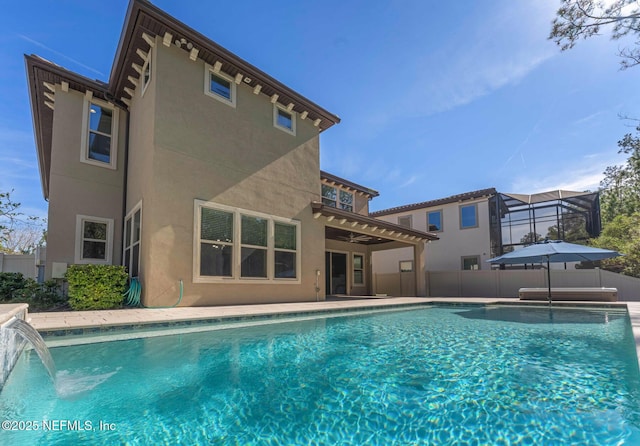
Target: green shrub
x: 96, y: 287
x: 9, y: 284
x: 15, y: 288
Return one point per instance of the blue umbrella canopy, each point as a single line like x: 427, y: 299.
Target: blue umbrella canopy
x: 554, y: 251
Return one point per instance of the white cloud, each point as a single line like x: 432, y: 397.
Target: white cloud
x: 589, y: 119
x: 581, y: 175
x: 59, y: 54
x: 501, y: 50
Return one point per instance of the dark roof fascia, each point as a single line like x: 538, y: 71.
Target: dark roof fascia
x: 36, y: 68
x: 137, y: 8
x: 336, y: 179
x: 352, y: 217
x: 438, y: 202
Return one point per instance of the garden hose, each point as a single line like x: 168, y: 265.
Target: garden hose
x: 132, y: 295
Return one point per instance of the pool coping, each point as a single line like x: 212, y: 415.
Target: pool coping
x: 55, y: 324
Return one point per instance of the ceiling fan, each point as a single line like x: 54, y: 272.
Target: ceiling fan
x: 354, y: 238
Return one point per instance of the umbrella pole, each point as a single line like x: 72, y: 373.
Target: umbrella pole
x: 549, y: 279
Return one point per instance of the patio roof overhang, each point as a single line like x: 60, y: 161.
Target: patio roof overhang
x: 348, y: 226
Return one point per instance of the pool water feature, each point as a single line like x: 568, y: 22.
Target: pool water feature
x: 31, y: 335
x: 446, y: 375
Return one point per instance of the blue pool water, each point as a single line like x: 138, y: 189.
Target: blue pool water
x: 448, y: 375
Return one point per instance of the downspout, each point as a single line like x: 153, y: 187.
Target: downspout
x: 126, y: 181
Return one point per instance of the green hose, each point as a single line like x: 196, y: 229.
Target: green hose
x: 132, y: 295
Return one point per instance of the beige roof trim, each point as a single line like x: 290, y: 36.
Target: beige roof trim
x: 355, y: 221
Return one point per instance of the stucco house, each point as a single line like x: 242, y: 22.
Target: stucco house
x: 191, y: 165
x: 475, y: 226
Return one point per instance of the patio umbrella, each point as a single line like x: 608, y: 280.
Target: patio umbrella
x: 553, y: 251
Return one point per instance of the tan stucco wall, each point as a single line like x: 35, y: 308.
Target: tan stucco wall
x: 140, y: 173
x: 77, y: 188
x: 205, y: 149
x: 361, y: 204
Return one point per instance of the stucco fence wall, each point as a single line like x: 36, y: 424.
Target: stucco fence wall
x: 505, y: 283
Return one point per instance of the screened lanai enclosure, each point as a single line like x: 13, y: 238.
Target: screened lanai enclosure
x: 518, y: 220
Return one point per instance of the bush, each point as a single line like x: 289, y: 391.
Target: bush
x: 96, y: 287
x: 15, y: 288
x: 9, y: 284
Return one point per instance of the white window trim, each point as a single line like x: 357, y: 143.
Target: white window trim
x: 237, y: 247
x: 146, y: 64
x: 475, y: 205
x: 208, y: 70
x: 405, y: 261
x: 463, y: 258
x: 130, y: 214
x: 363, y: 269
x: 84, y: 143
x: 79, y: 239
x: 440, y: 211
x: 292, y: 130
x: 337, y: 200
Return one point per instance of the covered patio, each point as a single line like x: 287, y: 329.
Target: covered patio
x: 350, y: 240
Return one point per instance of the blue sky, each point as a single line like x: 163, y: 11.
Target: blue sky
x: 436, y: 98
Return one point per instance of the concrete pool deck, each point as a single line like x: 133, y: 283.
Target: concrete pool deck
x: 73, y: 320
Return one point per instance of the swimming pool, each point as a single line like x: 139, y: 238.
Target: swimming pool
x: 443, y: 375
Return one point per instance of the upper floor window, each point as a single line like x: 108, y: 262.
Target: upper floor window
x: 405, y: 221
x: 337, y: 198
x: 219, y: 86
x: 434, y: 221
x: 100, y: 134
x: 469, y: 216
x: 283, y: 119
x: 94, y: 239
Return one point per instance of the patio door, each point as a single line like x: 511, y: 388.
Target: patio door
x: 336, y: 272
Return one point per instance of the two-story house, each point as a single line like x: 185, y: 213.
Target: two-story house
x: 475, y: 226
x: 192, y: 166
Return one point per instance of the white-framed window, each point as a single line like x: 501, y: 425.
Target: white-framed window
x: 94, y: 239
x: 145, y: 77
x: 358, y: 269
x: 434, y: 221
x: 99, y: 133
x: 470, y: 263
x: 337, y: 198
x: 405, y: 221
x: 285, y: 250
x: 219, y: 86
x: 232, y: 244
x: 406, y: 266
x: 284, y: 119
x: 132, y: 236
x: 253, y: 246
x: 469, y: 216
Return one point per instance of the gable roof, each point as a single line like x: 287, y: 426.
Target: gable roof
x: 144, y: 21
x: 144, y: 17
x: 42, y: 76
x: 438, y: 202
